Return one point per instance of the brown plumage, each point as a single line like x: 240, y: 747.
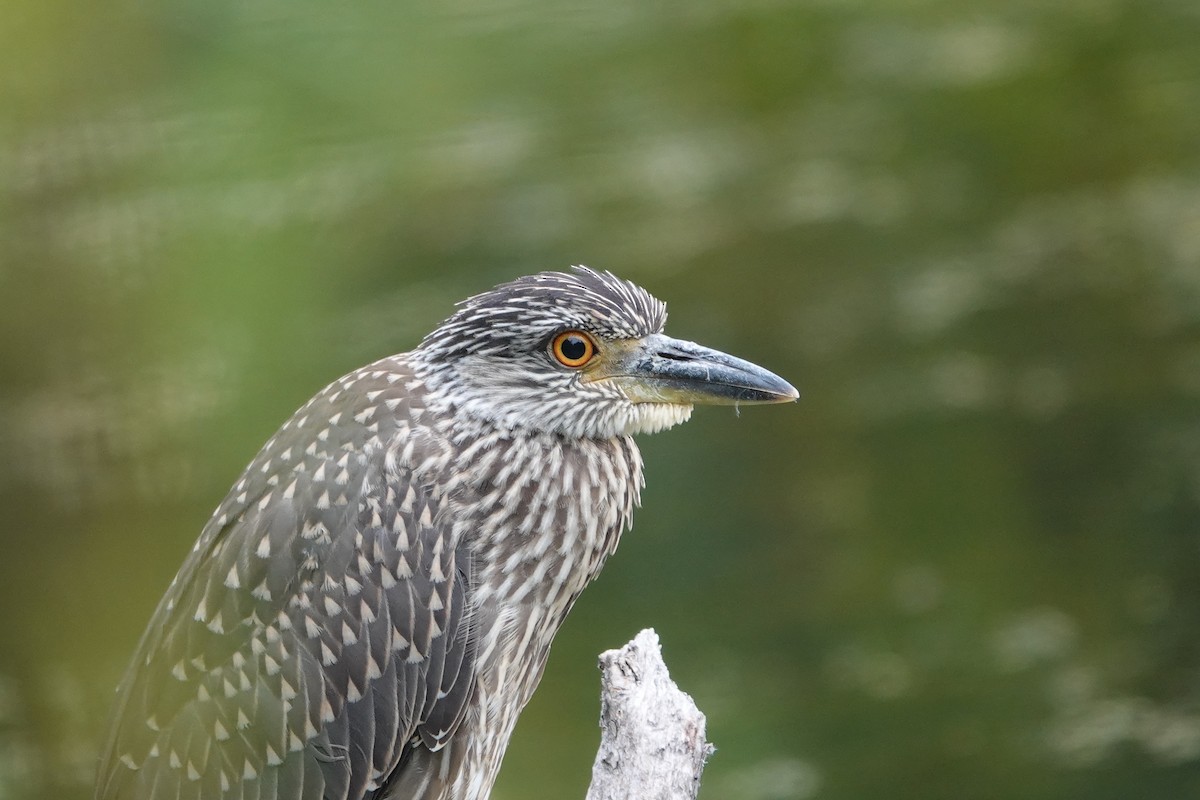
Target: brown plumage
x: 369, y: 609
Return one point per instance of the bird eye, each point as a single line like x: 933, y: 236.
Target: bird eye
x: 573, y: 348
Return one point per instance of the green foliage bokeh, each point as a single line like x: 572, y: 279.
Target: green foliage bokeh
x: 964, y: 565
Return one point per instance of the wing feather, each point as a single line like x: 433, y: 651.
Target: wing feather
x: 316, y: 628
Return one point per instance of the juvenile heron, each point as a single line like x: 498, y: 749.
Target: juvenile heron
x: 370, y: 607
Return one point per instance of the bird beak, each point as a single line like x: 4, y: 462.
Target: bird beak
x: 659, y: 369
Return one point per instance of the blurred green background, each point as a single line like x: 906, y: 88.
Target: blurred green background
x: 967, y: 564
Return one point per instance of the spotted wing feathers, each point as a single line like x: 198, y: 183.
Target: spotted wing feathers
x: 317, y: 632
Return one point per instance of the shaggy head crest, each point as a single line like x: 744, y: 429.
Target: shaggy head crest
x: 526, y: 312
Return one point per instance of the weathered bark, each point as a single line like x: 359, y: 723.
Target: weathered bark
x: 652, y: 745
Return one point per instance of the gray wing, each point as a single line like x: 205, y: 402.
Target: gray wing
x: 316, y: 633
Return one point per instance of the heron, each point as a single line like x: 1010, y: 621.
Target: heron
x: 369, y: 609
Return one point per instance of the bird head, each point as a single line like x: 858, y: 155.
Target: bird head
x: 581, y: 354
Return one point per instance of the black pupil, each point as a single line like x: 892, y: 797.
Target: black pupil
x: 573, y: 348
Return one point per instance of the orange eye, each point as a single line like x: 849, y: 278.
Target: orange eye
x: 573, y: 348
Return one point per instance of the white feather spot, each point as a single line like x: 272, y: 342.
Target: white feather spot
x: 311, y: 627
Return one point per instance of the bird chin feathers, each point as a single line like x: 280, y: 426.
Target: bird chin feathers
x: 655, y: 417
x: 577, y: 418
